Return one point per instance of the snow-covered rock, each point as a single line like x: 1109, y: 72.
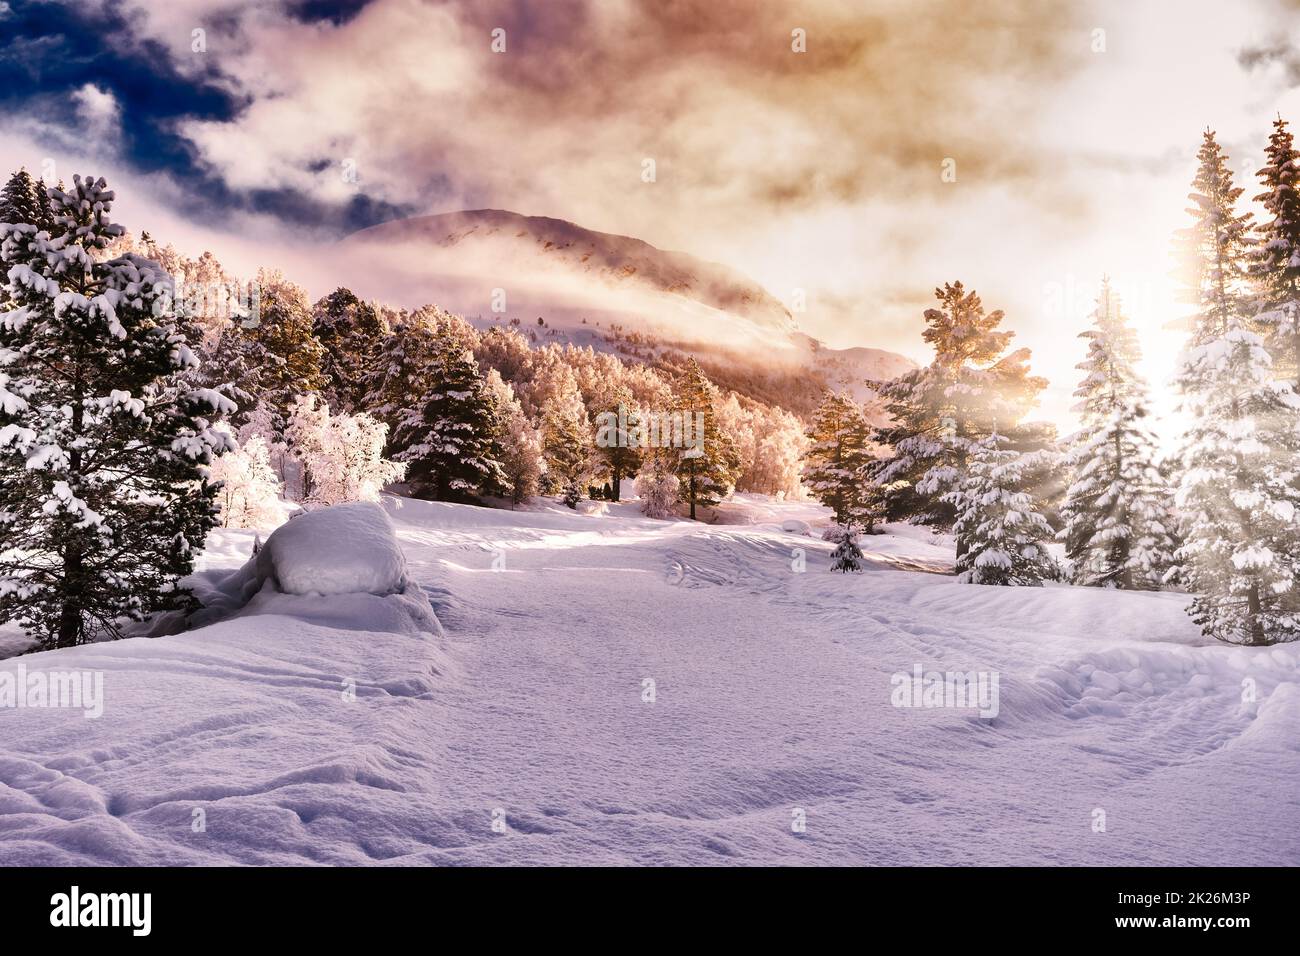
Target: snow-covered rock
x: 795, y: 526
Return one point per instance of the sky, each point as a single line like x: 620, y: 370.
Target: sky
x: 1024, y: 148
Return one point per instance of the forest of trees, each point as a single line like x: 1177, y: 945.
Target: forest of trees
x: 135, y: 416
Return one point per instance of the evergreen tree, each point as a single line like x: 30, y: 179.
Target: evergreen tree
x: 45, y: 218
x: 290, y: 356
x: 847, y: 555
x: 20, y: 202
x: 1275, y: 264
x: 104, y: 449
x: 1002, y: 538
x: 1213, y: 250
x: 617, y: 439
x: 565, y: 446
x: 403, y: 366
x: 1116, y: 517
x: 1238, y: 493
x: 449, y: 436
x: 838, y: 460
x: 707, y: 472
x: 941, y: 412
x: 352, y: 334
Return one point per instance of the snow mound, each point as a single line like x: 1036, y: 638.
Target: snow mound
x: 795, y: 526
x: 347, y: 549
x: 348, y: 553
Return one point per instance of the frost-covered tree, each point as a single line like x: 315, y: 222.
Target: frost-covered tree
x: 1240, y: 483
x: 940, y: 412
x: 1117, y: 519
x: 339, y: 458
x: 657, y: 483
x: 522, y: 461
x: 1213, y: 251
x: 1275, y: 261
x: 837, y: 461
x: 448, y: 434
x: 707, y: 473
x: 250, y: 488
x: 847, y: 555
x: 1002, y: 537
x: 104, y: 446
x: 566, y: 445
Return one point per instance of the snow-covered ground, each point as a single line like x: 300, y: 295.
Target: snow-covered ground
x: 346, y: 729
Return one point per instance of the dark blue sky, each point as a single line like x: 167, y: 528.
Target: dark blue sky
x: 48, y: 51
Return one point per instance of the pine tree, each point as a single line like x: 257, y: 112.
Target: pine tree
x: 283, y: 330
x: 449, y: 436
x: 617, y: 439
x: 1213, y: 250
x: 1004, y: 536
x: 402, y: 367
x: 1116, y: 517
x: 1239, y: 496
x: 941, y: 412
x: 847, y: 555
x: 707, y: 472
x: 352, y: 333
x: 104, y: 449
x: 1239, y: 489
x: 565, y: 445
x: 1275, y: 263
x: 838, y: 460
x: 20, y: 202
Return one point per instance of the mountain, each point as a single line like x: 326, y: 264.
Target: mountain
x: 562, y: 283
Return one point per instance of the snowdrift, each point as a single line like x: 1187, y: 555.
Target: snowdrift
x: 347, y: 553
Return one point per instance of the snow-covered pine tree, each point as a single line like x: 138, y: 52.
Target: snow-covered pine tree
x: 1239, y: 495
x: 1002, y: 538
x: 940, y: 412
x: 847, y: 556
x: 448, y: 436
x: 104, y: 448
x: 402, y: 368
x: 838, y: 460
x: 1240, y: 483
x: 1213, y: 251
x: 20, y: 202
x: 708, y: 473
x: 1116, y: 512
x: 1275, y: 261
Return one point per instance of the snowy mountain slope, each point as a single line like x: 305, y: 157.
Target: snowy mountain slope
x: 614, y: 293
x: 772, y: 694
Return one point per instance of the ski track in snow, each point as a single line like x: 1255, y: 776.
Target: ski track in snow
x: 772, y: 694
